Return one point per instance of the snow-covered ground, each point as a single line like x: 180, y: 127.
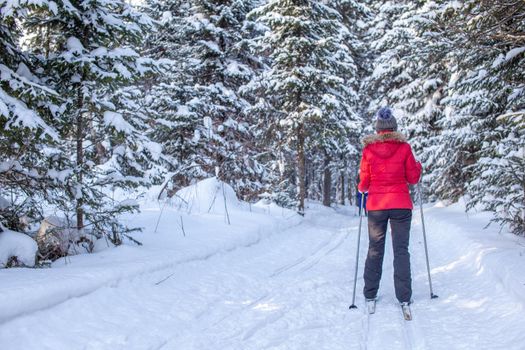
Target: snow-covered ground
x: 268, y: 280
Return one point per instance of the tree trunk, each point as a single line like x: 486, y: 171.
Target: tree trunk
x: 80, y: 162
x: 350, y: 186
x: 100, y: 150
x: 47, y: 46
x: 307, y: 179
x: 312, y: 188
x: 342, y: 184
x: 327, y: 182
x: 300, y: 169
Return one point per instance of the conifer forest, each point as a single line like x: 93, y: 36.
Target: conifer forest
x: 271, y: 97
x: 262, y: 174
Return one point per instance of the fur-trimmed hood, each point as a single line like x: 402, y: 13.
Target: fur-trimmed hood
x: 384, y: 145
x: 384, y: 137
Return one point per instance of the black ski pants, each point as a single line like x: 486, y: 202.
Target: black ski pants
x: 400, y: 220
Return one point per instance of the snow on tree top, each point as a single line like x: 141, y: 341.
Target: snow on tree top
x: 74, y: 45
x: 514, y: 52
x: 117, y: 121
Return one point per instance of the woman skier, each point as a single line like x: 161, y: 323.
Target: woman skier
x: 387, y: 168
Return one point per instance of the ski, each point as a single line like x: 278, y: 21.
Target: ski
x: 407, y: 313
x: 371, y: 305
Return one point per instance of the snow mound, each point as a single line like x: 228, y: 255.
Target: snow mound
x: 17, y: 245
x: 266, y: 206
x: 206, y: 196
x: 102, y: 244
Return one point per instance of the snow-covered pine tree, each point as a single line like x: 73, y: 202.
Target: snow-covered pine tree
x: 87, y: 48
x: 420, y: 100
x: 394, y: 64
x: 489, y: 96
x: 201, y: 119
x: 175, y: 127
x: 410, y: 73
x: 341, y: 159
x: 450, y: 68
x: 500, y: 186
x: 389, y: 39
x: 24, y: 124
x: 308, y: 95
x: 466, y: 121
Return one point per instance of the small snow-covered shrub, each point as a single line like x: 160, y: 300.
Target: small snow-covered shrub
x: 56, y: 239
x: 17, y: 215
x: 16, y: 249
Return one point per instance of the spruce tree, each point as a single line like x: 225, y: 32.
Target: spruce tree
x: 413, y: 52
x: 25, y: 124
x: 390, y: 39
x: 90, y: 61
x: 309, y: 93
x: 201, y: 116
x: 489, y: 95
x: 420, y: 101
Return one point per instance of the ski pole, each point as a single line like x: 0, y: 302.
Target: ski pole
x: 353, y: 306
x: 432, y: 295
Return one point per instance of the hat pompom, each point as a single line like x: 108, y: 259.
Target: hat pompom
x: 384, y: 113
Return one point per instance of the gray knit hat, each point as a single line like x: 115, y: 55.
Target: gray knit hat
x: 385, y: 120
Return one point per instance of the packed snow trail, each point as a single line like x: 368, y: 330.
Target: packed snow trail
x: 234, y: 299
x: 291, y: 290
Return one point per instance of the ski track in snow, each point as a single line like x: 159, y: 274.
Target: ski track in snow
x: 290, y: 291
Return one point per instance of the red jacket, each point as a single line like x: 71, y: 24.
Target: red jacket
x: 387, y: 167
